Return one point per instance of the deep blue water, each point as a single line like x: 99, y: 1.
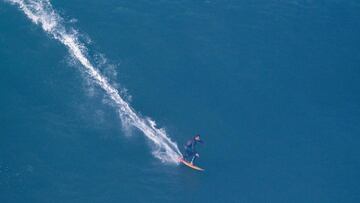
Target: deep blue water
x: 272, y: 86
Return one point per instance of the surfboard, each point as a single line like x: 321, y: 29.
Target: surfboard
x: 190, y: 165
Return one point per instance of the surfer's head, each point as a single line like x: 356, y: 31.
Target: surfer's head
x: 197, y: 137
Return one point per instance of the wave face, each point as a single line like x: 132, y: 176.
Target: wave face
x: 42, y: 13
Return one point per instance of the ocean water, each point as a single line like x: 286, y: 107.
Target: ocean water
x: 272, y: 86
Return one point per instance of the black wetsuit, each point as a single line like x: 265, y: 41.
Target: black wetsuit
x: 190, y: 149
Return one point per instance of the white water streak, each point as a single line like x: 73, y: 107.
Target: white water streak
x: 41, y: 13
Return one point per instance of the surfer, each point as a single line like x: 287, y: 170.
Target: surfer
x: 190, y: 148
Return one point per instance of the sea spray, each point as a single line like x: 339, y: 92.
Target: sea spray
x: 42, y: 13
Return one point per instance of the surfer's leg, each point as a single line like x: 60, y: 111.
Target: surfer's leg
x: 187, y: 154
x: 195, y: 155
x: 193, y: 159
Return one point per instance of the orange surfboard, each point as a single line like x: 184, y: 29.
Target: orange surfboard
x: 190, y: 165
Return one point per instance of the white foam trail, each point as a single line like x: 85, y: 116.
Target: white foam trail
x: 41, y: 13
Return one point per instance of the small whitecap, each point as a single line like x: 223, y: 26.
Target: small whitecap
x: 73, y: 20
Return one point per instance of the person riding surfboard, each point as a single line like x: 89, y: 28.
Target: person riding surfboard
x: 190, y: 149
